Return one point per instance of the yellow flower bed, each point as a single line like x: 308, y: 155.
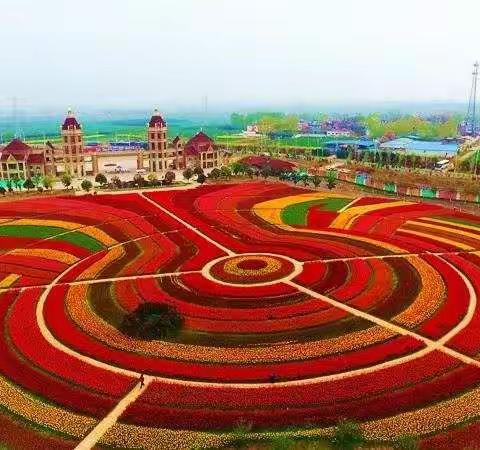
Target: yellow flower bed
x: 46, y: 253
x: 111, y: 256
x: 23, y: 404
x: 428, y: 300
x: 99, y: 235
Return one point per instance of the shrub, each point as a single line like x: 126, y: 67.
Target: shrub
x: 215, y: 173
x: 240, y: 434
x: 138, y: 180
x: 86, y: 185
x: 282, y: 443
x: 152, y: 321
x: 28, y: 184
x: 48, y: 181
x: 169, y: 177
x: 101, y: 179
x: 66, y: 180
x: 331, y: 178
x: 188, y: 173
x: 348, y: 435
x: 198, y: 170
x: 406, y: 443
x: 201, y: 178
x: 117, y: 182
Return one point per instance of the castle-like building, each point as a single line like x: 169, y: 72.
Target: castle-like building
x: 199, y: 151
x: 18, y: 159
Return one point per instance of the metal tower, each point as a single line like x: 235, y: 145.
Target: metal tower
x: 471, y: 119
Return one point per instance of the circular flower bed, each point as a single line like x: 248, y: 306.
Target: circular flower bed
x: 251, y: 269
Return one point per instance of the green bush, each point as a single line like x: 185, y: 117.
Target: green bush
x: 282, y: 443
x: 406, y: 442
x: 348, y: 435
x: 152, y: 321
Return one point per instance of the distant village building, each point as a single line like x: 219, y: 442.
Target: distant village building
x: 69, y: 158
x: 443, y: 149
x: 339, y: 132
x: 19, y: 160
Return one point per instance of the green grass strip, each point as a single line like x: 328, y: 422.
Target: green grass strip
x: 43, y: 232
x: 296, y: 214
x: 334, y: 204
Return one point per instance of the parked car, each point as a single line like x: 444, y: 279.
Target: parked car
x: 120, y: 169
x: 141, y: 171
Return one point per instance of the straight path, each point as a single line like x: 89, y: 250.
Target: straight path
x: 111, y: 418
x: 433, y: 345
x: 190, y: 227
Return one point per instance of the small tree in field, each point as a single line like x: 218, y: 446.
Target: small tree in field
x: 316, y: 180
x: 238, y: 167
x: 331, y: 178
x: 101, y: 179
x: 188, y: 173
x: 169, y: 177
x: 198, y: 170
x: 86, y: 185
x: 66, y: 180
x: 138, y: 180
x: 28, y: 184
x: 215, y: 174
x: 17, y: 182
x: 152, y: 321
x: 48, y: 181
x: 225, y: 172
x: 152, y: 178
x: 36, y: 179
x: 117, y: 182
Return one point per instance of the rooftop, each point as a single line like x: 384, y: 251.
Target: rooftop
x: 415, y: 145
x: 157, y: 120
x: 70, y: 122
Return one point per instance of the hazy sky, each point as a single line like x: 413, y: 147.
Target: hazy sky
x: 171, y: 53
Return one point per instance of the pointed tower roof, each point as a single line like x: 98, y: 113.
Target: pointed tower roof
x: 157, y: 120
x: 70, y: 122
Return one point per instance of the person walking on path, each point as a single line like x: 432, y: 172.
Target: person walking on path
x: 142, y: 380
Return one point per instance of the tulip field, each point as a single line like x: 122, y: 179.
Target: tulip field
x: 300, y: 308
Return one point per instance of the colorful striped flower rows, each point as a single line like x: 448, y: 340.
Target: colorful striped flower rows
x: 300, y: 308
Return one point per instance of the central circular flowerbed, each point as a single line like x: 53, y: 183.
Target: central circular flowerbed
x: 251, y: 269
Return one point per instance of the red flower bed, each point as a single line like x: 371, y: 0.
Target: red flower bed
x: 455, y: 305
x: 43, y: 384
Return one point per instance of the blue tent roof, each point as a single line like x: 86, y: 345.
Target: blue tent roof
x: 414, y: 145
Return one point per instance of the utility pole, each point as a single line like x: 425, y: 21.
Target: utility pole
x: 471, y: 119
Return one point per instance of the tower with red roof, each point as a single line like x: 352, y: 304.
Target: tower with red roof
x: 157, y: 142
x: 70, y: 159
